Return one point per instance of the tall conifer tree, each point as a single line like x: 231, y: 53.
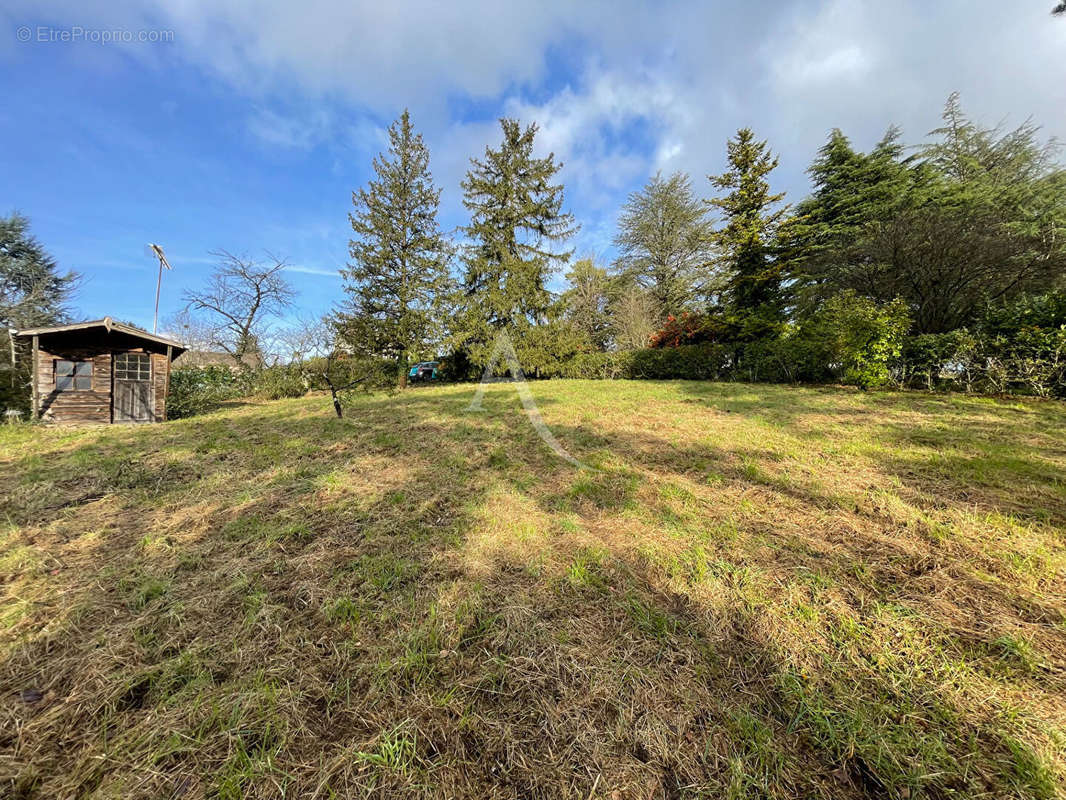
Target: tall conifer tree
x: 665, y: 244
x: 517, y: 224
x: 397, y: 280
x: 752, y: 216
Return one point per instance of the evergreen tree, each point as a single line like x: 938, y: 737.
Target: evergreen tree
x: 749, y: 236
x: 586, y: 302
x: 32, y: 294
x: 975, y: 217
x: 665, y: 244
x: 32, y: 291
x: 822, y: 244
x: 397, y: 280
x: 516, y: 221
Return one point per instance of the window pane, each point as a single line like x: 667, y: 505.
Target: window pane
x: 64, y: 382
x: 133, y: 366
x: 64, y: 368
x: 83, y: 368
x: 83, y: 383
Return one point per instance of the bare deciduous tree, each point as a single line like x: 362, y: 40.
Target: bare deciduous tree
x: 312, y: 348
x: 634, y: 317
x: 192, y: 331
x: 239, y: 299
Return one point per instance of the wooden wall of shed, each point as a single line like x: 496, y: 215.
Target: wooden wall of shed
x: 96, y: 346
x: 74, y: 406
x: 160, y: 367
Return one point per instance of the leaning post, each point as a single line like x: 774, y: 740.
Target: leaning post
x: 35, y: 380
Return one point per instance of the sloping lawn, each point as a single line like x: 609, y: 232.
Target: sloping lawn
x: 755, y: 592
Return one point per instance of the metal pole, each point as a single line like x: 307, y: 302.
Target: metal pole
x: 158, y: 284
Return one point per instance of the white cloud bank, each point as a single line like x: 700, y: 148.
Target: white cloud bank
x: 683, y: 75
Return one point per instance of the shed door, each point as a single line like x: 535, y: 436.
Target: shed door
x: 133, y: 387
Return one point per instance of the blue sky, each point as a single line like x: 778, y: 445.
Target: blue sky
x: 249, y: 129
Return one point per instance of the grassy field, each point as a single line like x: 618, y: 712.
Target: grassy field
x: 756, y: 591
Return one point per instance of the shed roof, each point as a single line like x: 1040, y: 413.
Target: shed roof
x: 108, y: 325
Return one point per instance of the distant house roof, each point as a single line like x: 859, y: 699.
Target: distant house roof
x: 108, y: 325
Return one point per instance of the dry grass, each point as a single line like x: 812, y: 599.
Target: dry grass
x: 757, y: 592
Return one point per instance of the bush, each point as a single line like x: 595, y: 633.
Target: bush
x: 853, y: 339
x: 1032, y: 361
x: 598, y: 365
x: 940, y: 360
x: 696, y: 362
x: 196, y: 390
x: 1019, y: 348
x: 274, y: 383
x: 686, y: 328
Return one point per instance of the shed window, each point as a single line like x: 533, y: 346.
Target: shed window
x: 133, y: 367
x: 74, y: 376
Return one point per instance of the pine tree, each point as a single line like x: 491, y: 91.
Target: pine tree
x: 398, y: 279
x: 32, y: 293
x: 516, y: 218
x: 665, y: 244
x: 748, y: 239
x: 823, y: 241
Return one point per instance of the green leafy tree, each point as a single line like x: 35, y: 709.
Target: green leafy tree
x: 397, y: 281
x: 665, y: 244
x: 853, y: 339
x: 752, y: 216
x: 517, y: 223
x: 33, y: 293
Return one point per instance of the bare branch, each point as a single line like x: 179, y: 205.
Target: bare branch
x: 238, y: 301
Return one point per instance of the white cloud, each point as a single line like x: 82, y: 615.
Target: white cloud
x: 687, y: 76
x: 299, y: 133
x: 330, y: 273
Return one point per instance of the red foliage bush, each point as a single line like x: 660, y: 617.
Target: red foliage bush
x: 686, y: 328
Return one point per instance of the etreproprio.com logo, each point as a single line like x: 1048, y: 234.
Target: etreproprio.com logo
x: 50, y: 34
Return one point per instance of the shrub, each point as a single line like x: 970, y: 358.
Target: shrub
x: 686, y: 328
x: 1032, y: 361
x: 940, y: 360
x: 1019, y: 348
x: 274, y: 383
x: 604, y: 366
x: 854, y: 339
x: 696, y: 362
x: 196, y: 390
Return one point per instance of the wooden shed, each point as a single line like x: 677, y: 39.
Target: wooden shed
x: 100, y: 371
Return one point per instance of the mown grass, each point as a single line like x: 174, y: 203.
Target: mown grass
x: 755, y: 591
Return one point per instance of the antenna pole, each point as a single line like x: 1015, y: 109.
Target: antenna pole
x: 158, y: 285
x: 159, y: 282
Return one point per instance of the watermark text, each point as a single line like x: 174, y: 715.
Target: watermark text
x: 73, y: 34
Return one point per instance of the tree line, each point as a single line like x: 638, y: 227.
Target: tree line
x: 904, y: 263
x: 939, y: 265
